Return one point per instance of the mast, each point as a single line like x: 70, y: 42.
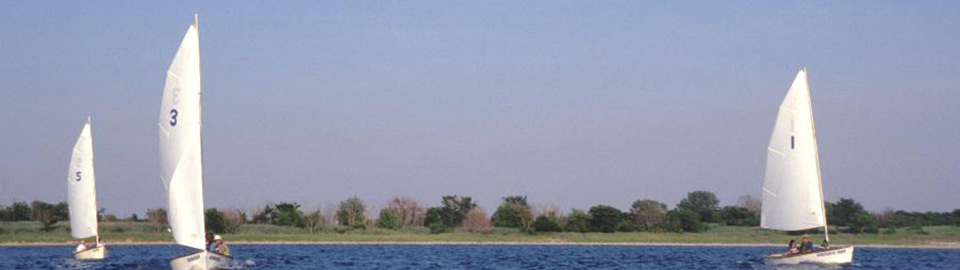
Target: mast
x: 96, y: 203
x: 816, y: 150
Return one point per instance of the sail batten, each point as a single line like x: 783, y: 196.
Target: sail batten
x: 792, y: 192
x: 180, y: 155
x: 81, y: 187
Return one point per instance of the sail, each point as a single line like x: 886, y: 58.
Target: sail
x: 180, y: 154
x: 792, y: 195
x: 81, y: 187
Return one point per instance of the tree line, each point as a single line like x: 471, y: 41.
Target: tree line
x: 697, y: 212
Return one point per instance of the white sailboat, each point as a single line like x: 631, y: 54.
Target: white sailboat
x: 792, y: 188
x: 181, y: 155
x: 82, y: 197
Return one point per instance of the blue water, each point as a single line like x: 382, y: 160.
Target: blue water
x: 293, y: 257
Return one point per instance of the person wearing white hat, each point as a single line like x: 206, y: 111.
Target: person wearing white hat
x: 222, y: 247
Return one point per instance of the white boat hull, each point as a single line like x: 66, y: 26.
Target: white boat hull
x: 97, y: 253
x: 202, y: 260
x: 843, y: 255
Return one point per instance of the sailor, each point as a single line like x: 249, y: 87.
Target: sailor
x: 211, y: 246
x: 82, y: 246
x: 805, y: 245
x: 792, y: 248
x: 221, y: 247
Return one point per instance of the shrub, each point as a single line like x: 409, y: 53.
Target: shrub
x: 157, y: 218
x: 438, y: 227
x: 647, y: 213
x: 314, y: 221
x: 388, y: 220
x: 476, y: 221
x: 605, y: 218
x: 18, y: 211
x: 917, y: 229
x: 352, y: 212
x: 547, y: 224
x: 215, y: 221
x: 514, y: 212
x: 288, y: 214
x: 408, y: 209
x: 704, y: 203
x: 686, y: 220
x: 578, y: 221
x: 862, y: 223
x: 739, y: 216
x: 451, y: 214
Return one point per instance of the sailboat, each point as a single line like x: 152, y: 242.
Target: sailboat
x: 82, y: 197
x: 181, y: 155
x: 793, y: 189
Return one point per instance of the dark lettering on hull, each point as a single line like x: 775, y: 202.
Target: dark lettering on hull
x: 214, y: 257
x: 828, y: 253
x: 193, y: 258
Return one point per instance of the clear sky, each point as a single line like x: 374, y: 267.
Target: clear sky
x: 573, y: 103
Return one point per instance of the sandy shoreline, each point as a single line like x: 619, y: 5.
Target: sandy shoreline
x: 935, y: 245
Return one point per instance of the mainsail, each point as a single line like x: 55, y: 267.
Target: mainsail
x: 180, y: 150
x: 81, y: 187
x: 792, y: 192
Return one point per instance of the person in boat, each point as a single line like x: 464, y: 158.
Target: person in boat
x: 221, y: 247
x: 792, y: 248
x: 82, y: 246
x: 806, y: 246
x: 211, y: 245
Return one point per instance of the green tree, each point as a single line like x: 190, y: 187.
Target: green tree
x: 289, y: 214
x: 578, y: 221
x: 514, y: 212
x: 844, y: 212
x: 863, y: 223
x: 352, y: 212
x: 451, y: 213
x: 956, y: 217
x: 215, y: 221
x: 645, y: 214
x: 705, y: 204
x: 314, y: 221
x: 158, y: 218
x: 267, y: 215
x: 739, y: 216
x: 544, y: 223
x: 61, y: 211
x: 18, y: 211
x: 604, y: 218
x: 388, y: 220
x: 686, y: 220
x: 433, y: 217
x: 45, y: 213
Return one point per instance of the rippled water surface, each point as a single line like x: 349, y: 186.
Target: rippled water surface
x: 294, y: 257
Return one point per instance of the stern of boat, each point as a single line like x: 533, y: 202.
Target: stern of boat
x: 201, y: 260
x: 96, y: 253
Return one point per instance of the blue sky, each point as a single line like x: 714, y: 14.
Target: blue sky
x: 573, y: 103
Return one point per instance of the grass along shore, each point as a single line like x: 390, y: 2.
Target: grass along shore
x: 26, y: 233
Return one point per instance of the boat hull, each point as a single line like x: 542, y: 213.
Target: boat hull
x: 842, y: 255
x: 202, y: 260
x: 97, y: 253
